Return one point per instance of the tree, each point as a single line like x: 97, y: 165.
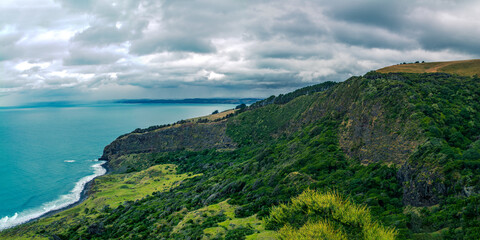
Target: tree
x: 241, y: 106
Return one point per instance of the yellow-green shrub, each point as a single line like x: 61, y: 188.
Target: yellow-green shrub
x: 312, y: 230
x: 328, y: 215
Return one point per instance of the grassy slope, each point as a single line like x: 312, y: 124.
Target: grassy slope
x: 322, y: 141
x: 228, y: 222
x: 463, y: 68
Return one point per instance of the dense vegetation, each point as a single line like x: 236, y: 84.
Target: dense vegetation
x: 404, y: 149
x: 285, y: 98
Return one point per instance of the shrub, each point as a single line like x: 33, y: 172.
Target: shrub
x: 312, y: 230
x: 328, y: 214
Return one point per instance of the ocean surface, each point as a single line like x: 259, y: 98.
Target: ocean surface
x: 47, y: 154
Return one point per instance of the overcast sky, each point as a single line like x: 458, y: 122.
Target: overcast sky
x: 67, y: 50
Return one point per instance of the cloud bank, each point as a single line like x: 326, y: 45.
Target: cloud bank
x: 91, y: 50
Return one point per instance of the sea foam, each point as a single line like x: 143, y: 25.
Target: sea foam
x: 63, y: 201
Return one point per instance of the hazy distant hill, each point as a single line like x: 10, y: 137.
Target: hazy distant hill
x: 463, y: 68
x: 192, y: 100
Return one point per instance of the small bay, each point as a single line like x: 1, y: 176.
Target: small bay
x: 48, y: 153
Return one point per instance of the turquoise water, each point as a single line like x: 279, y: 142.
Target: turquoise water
x: 48, y: 154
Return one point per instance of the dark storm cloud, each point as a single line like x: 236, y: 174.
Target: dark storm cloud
x: 138, y: 48
x: 455, y: 28
x: 371, y: 37
x: 297, y: 25
x: 430, y: 25
x: 439, y: 39
x: 383, y: 14
x: 286, y: 53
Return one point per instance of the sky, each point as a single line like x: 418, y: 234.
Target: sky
x: 89, y: 50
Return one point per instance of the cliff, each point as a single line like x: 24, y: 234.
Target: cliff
x: 185, y: 136
x: 406, y: 146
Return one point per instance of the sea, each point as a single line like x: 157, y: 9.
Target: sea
x: 48, y: 154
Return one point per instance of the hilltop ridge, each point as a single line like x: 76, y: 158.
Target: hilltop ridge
x: 461, y: 67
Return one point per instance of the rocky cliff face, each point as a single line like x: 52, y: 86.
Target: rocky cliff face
x: 369, y: 132
x: 421, y: 186
x: 185, y: 136
x: 384, y: 121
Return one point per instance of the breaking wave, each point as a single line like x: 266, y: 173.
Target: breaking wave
x: 63, y: 201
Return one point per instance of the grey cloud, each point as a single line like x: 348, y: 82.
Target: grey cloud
x: 105, y: 33
x: 46, y: 50
x: 113, y: 26
x: 440, y: 40
x: 296, y: 25
x: 448, y: 29
x: 272, y: 64
x: 142, y: 47
x: 7, y: 45
x: 173, y: 44
x: 407, y: 25
x: 101, y: 35
x: 79, y: 5
x: 35, y: 16
x: 370, y: 37
x: 83, y: 56
x: 289, y: 50
x: 9, y: 83
x: 384, y: 14
x: 9, y: 39
x: 287, y: 54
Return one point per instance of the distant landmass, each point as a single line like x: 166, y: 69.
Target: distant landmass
x: 193, y: 100
x: 138, y: 101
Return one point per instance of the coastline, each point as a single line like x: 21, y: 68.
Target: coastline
x: 85, y: 187
x: 84, y: 194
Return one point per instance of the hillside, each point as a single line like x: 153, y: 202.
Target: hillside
x: 462, y: 68
x: 380, y: 156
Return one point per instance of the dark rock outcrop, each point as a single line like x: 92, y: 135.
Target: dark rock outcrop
x: 188, y: 136
x: 421, y: 187
x: 96, y: 229
x: 370, y: 138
